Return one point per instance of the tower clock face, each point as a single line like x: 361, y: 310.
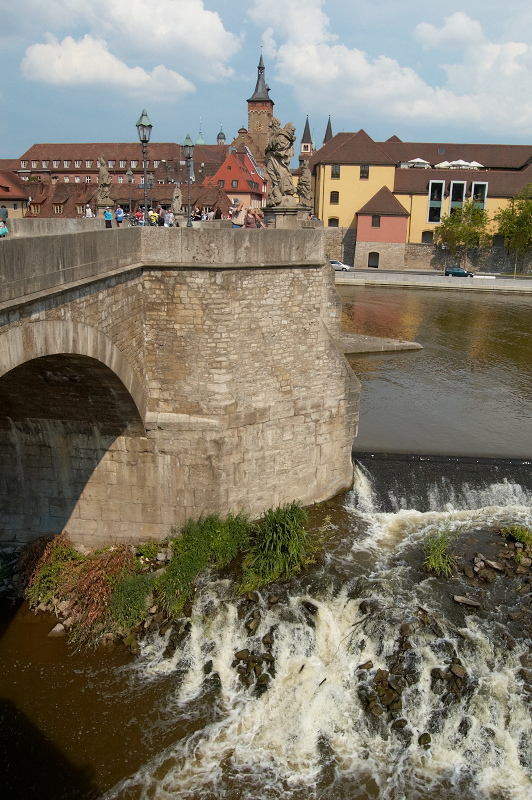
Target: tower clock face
x: 258, y: 126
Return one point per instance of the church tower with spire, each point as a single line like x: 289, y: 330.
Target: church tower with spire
x: 260, y: 111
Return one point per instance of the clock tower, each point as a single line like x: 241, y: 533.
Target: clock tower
x: 260, y: 111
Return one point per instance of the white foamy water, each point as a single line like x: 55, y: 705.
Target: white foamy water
x: 310, y: 735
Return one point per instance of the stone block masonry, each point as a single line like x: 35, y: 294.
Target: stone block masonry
x: 164, y: 374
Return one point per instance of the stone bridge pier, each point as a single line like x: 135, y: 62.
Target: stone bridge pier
x: 149, y: 376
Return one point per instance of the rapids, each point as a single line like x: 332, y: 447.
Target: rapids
x: 310, y: 734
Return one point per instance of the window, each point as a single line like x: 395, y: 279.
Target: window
x: 234, y: 184
x: 479, y: 192
x: 375, y: 221
x: 457, y: 195
x: 58, y: 209
x: 122, y: 165
x: 335, y: 170
x: 441, y: 150
x: 427, y: 237
x: 88, y: 179
x: 498, y: 240
x: 435, y: 201
x: 34, y: 165
x: 236, y: 201
x: 88, y: 164
x: 55, y: 164
x: 334, y: 198
x: 81, y: 210
x: 133, y: 164
x: 35, y: 208
x: 373, y: 260
x: 110, y: 164
x: 66, y: 164
x: 156, y: 164
x: 332, y: 222
x: 305, y: 148
x: 221, y: 183
x: 364, y: 172
x: 77, y: 164
x: 45, y: 164
x: 120, y: 179
x: 67, y: 179
x: 23, y: 164
x: 77, y: 179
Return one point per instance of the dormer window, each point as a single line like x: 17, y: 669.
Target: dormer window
x: 66, y: 164
x: 23, y: 164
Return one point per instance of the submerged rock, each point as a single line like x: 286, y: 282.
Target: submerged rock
x: 58, y: 630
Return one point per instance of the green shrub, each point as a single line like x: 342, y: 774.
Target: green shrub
x: 129, y: 600
x: 209, y: 541
x: 519, y: 533
x: 279, y: 547
x: 53, y: 570
x: 438, y: 559
x: 147, y: 550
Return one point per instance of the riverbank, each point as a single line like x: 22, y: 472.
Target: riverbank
x: 426, y: 280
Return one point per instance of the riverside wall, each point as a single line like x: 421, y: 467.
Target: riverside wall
x: 152, y: 375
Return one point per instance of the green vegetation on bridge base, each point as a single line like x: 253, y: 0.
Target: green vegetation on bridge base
x: 114, y: 591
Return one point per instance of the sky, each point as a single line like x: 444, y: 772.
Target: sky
x: 83, y: 70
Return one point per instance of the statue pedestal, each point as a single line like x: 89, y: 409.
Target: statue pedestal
x: 283, y: 218
x: 100, y: 208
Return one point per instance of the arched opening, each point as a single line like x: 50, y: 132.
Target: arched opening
x: 65, y: 421
x: 427, y: 237
x: 332, y: 222
x: 373, y: 260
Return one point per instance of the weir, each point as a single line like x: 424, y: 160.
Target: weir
x: 152, y: 375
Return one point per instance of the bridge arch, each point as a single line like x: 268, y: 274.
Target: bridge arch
x: 74, y: 454
x: 55, y: 337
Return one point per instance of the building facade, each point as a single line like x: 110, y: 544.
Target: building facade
x: 409, y: 186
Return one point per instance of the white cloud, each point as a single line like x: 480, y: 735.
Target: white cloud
x: 88, y: 61
x: 487, y: 86
x: 458, y: 31
x: 181, y: 33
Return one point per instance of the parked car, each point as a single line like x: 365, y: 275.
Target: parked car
x: 338, y: 264
x: 458, y: 272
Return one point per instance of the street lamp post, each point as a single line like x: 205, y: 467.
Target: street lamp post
x: 130, y: 179
x: 144, y: 127
x: 151, y: 184
x: 188, y: 152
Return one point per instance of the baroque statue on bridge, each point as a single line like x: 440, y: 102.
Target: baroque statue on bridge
x: 177, y: 200
x: 104, y: 184
x: 304, y: 188
x: 279, y: 152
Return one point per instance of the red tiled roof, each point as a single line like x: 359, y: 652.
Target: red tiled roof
x: 500, y: 183
x: 12, y: 187
x: 385, y: 204
x: 351, y: 148
x: 493, y: 156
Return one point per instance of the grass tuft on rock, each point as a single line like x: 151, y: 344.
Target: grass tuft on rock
x: 279, y: 548
x: 208, y: 542
x: 129, y: 602
x: 438, y: 558
x: 519, y: 533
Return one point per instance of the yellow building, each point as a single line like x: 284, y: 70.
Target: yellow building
x: 428, y: 179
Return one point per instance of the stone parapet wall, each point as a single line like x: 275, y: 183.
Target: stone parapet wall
x: 53, y: 227
x: 480, y: 259
x: 43, y: 263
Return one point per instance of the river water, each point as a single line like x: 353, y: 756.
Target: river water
x: 178, y: 722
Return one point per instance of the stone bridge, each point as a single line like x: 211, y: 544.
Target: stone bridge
x: 152, y: 375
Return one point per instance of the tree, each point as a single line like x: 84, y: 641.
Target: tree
x: 464, y: 227
x: 515, y: 224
